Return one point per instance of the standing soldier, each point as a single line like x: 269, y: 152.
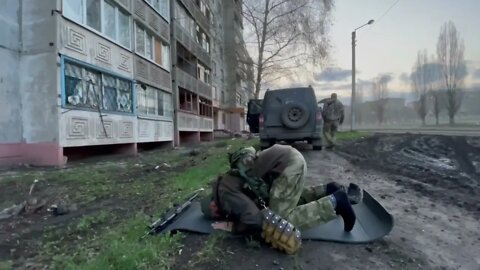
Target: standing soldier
x: 264, y: 194
x: 333, y: 115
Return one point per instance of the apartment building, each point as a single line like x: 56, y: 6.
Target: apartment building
x: 110, y: 75
x: 191, y: 74
x: 83, y: 73
x: 238, y: 66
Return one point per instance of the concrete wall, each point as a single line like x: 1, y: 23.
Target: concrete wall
x: 37, y: 72
x: 10, y: 116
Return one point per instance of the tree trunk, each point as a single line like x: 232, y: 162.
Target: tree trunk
x: 261, y: 48
x: 452, y: 120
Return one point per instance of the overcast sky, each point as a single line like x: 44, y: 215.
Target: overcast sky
x: 390, y: 45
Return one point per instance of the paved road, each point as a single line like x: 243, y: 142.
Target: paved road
x: 428, y: 131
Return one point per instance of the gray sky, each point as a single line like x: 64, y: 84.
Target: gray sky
x: 390, y: 45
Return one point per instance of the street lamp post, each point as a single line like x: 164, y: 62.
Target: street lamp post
x: 352, y: 105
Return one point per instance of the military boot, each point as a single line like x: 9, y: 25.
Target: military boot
x: 344, y: 209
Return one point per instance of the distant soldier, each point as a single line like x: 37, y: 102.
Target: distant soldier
x: 264, y: 194
x: 333, y: 116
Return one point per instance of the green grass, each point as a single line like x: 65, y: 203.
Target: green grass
x: 119, y: 246
x: 210, y: 253
x: 6, y: 265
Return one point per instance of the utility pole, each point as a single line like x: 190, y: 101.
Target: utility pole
x: 352, y: 105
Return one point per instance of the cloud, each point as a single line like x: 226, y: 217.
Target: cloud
x: 333, y: 75
x: 332, y: 87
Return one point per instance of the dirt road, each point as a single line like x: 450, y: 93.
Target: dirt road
x: 429, y: 183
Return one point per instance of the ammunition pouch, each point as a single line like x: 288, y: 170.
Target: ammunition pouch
x: 280, y: 233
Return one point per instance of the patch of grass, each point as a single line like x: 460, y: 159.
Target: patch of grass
x: 6, y: 265
x: 87, y: 222
x: 211, y: 252
x: 252, y: 243
x: 119, y: 247
x: 350, y: 135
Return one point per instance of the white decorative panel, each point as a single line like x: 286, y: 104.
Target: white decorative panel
x: 143, y: 129
x: 77, y: 128
x: 83, y: 128
x: 125, y: 129
x: 100, y: 130
x: 76, y: 41
x: 82, y: 44
x: 125, y: 61
x: 103, y: 53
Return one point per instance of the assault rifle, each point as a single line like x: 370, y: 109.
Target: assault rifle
x: 161, y: 223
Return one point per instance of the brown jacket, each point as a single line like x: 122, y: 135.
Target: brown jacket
x: 236, y: 203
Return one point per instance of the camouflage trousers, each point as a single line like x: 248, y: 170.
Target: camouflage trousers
x: 329, y: 130
x: 301, y: 206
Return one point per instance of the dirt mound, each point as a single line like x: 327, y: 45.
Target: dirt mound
x: 446, y: 168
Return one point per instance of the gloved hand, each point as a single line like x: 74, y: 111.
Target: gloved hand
x: 280, y: 233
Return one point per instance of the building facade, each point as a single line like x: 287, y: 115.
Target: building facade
x: 192, y: 61
x: 238, y: 66
x: 119, y: 73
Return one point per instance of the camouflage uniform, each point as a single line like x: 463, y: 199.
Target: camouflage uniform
x: 303, y: 207
x: 333, y: 115
x: 282, y: 168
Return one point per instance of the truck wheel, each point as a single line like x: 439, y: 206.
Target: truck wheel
x: 295, y: 115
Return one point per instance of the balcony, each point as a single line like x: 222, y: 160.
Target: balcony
x: 192, y: 122
x: 191, y: 83
x: 187, y: 41
x: 197, y: 14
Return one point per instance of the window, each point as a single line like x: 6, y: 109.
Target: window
x: 89, y: 88
x: 205, y: 107
x: 93, y: 14
x: 154, y: 102
x: 162, y: 7
x: 184, y: 19
x: 102, y: 16
x: 71, y: 9
x: 223, y: 96
x: 151, y: 48
x: 214, y: 93
x: 224, y: 118
x: 124, y: 29
x: 203, y: 74
x: 202, y: 39
x: 109, y: 27
x: 188, y: 101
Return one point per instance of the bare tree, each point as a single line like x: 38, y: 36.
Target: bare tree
x: 450, y: 49
x: 438, y: 102
x: 285, y: 35
x: 380, y: 94
x: 420, y: 82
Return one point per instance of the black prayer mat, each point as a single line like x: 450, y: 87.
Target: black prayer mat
x: 373, y: 222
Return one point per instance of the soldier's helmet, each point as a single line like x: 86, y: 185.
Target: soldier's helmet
x: 241, y: 154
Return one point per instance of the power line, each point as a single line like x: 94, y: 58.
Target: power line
x: 388, y: 10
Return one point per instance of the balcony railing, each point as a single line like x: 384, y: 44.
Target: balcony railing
x: 192, y: 84
x: 197, y: 14
x: 192, y: 122
x: 187, y: 40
